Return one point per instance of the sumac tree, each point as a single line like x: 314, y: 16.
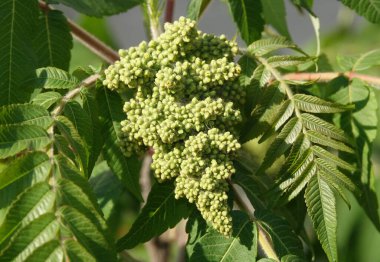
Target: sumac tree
x: 77, y: 145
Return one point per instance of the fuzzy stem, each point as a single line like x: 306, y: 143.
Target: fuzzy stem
x: 88, y: 40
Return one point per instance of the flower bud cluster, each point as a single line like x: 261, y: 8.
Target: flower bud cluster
x: 185, y: 107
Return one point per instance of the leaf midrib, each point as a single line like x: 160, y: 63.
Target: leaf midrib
x: 233, y: 241
x: 11, y: 49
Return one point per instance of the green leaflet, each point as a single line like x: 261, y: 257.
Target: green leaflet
x: 247, y: 16
x: 100, y: 8
x: 284, y: 112
x: 332, y: 159
x: 196, y: 8
x: 73, y: 138
x: 90, y: 107
x: 196, y: 227
x: 49, y: 250
x: 82, y: 124
x: 34, y: 202
x: 53, y: 78
x: 321, y: 208
x: 282, y: 142
x: 36, y: 162
x: 323, y: 140
x: 323, y: 127
x: 16, y: 48
x: 264, y: 46
x: 46, y: 99
x: 38, y: 232
x: 53, y: 40
x: 17, y: 138
x: 241, y: 246
x: 314, y: 104
x: 287, y: 60
x: 25, y: 114
x: 275, y: 14
x: 126, y: 169
x: 161, y: 211
x: 368, y: 9
x: 251, y: 185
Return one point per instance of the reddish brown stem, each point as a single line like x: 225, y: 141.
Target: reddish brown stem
x: 88, y: 40
x: 169, y: 11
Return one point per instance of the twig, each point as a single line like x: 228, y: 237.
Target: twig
x: 91, y: 42
x: 264, y: 242
x: 73, y: 93
x: 169, y: 10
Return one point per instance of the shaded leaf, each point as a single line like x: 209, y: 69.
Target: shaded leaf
x: 247, y: 16
x: 47, y: 99
x: 161, y: 211
x: 24, y: 166
x: 284, y: 240
x: 25, y: 114
x: 17, y: 60
x: 53, y: 78
x: 53, y: 40
x: 78, y: 146
x: 17, y: 138
x: 35, y: 201
x: 126, y: 169
x: 241, y: 246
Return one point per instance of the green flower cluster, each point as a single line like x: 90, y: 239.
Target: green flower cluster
x: 185, y: 107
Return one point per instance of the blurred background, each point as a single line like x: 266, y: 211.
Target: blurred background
x: 342, y: 33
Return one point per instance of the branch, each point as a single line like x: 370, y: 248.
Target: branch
x: 169, y: 11
x: 328, y: 76
x: 91, y: 42
x: 73, y: 93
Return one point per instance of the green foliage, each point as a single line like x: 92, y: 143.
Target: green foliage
x: 242, y: 245
x: 53, y: 42
x: 258, y: 135
x: 16, y: 46
x: 247, y: 16
x: 161, y: 211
